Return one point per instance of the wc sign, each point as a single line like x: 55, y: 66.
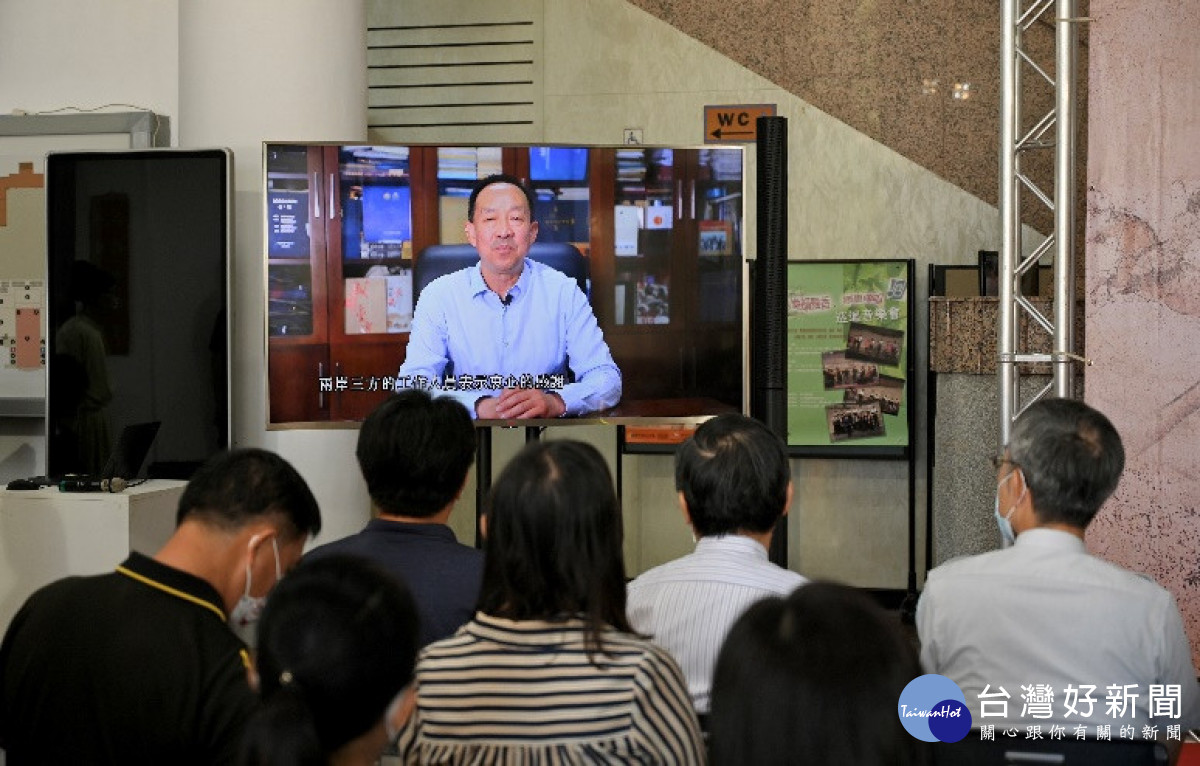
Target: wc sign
x: 734, y: 123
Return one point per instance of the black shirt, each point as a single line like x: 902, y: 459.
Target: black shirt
x: 133, y: 667
x: 442, y: 574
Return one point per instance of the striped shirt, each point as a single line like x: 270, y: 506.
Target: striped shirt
x: 525, y: 692
x: 688, y: 605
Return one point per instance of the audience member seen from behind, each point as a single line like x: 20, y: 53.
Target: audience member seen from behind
x: 140, y: 665
x: 510, y: 317
x: 1104, y: 640
x: 734, y: 484
x: 414, y: 452
x: 548, y: 671
x: 335, y: 657
x: 813, y: 680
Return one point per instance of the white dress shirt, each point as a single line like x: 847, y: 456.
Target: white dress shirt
x: 688, y: 605
x: 1046, y: 614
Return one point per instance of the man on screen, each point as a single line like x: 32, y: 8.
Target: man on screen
x: 512, y: 317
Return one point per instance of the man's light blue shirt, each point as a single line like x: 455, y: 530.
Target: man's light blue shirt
x: 462, y: 330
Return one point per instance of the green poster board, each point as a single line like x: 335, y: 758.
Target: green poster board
x: 849, y: 368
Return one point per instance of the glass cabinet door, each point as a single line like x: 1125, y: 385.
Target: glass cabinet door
x: 290, y: 278
x: 644, y: 222
x: 718, y: 200
x: 376, y: 238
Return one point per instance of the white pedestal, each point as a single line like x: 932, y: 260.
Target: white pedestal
x: 46, y: 534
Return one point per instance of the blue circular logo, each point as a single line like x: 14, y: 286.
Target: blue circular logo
x: 933, y: 708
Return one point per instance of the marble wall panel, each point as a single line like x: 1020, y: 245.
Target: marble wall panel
x: 1143, y: 309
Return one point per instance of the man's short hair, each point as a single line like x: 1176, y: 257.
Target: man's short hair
x: 414, y: 452
x: 733, y: 474
x: 1071, y: 457
x: 497, y: 178
x: 239, y: 486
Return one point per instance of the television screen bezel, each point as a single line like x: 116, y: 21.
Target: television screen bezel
x: 690, y: 419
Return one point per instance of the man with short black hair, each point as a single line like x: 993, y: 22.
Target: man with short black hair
x: 415, y: 452
x: 140, y: 666
x: 1098, y: 644
x: 734, y: 484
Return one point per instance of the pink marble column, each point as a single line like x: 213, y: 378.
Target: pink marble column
x: 1143, y: 285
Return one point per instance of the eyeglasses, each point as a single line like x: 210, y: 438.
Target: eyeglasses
x: 999, y: 460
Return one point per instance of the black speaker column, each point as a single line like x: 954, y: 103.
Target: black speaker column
x: 768, y: 341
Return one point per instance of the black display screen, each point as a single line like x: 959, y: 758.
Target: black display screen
x: 137, y: 300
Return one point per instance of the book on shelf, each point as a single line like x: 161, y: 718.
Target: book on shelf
x: 619, y: 291
x: 452, y: 218
x: 574, y: 192
x: 627, y: 220
x: 399, y: 310
x: 562, y: 220
x: 466, y: 163
x: 366, y: 305
x: 653, y: 301
x: 716, y: 238
x: 659, y: 216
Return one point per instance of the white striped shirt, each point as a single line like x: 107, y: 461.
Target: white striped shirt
x: 688, y: 605
x: 526, y: 692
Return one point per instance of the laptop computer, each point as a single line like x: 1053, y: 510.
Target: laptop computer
x: 133, y: 445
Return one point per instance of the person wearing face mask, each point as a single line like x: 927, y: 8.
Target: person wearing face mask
x: 139, y: 666
x: 1043, y: 611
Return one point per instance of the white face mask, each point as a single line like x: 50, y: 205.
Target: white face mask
x: 244, y: 617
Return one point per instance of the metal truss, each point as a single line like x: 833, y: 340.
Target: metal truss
x: 1020, y: 136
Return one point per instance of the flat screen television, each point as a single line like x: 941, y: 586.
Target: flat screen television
x: 654, y: 236
x: 138, y: 246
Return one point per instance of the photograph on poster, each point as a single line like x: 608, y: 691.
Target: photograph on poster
x: 841, y: 372
x: 874, y: 344
x: 887, y: 393
x: 854, y: 421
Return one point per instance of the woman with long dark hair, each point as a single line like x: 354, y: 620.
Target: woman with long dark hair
x: 549, y: 671
x: 813, y: 680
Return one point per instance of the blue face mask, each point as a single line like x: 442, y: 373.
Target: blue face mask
x: 1007, y: 535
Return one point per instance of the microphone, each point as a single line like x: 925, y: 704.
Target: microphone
x: 506, y: 300
x: 90, y: 484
